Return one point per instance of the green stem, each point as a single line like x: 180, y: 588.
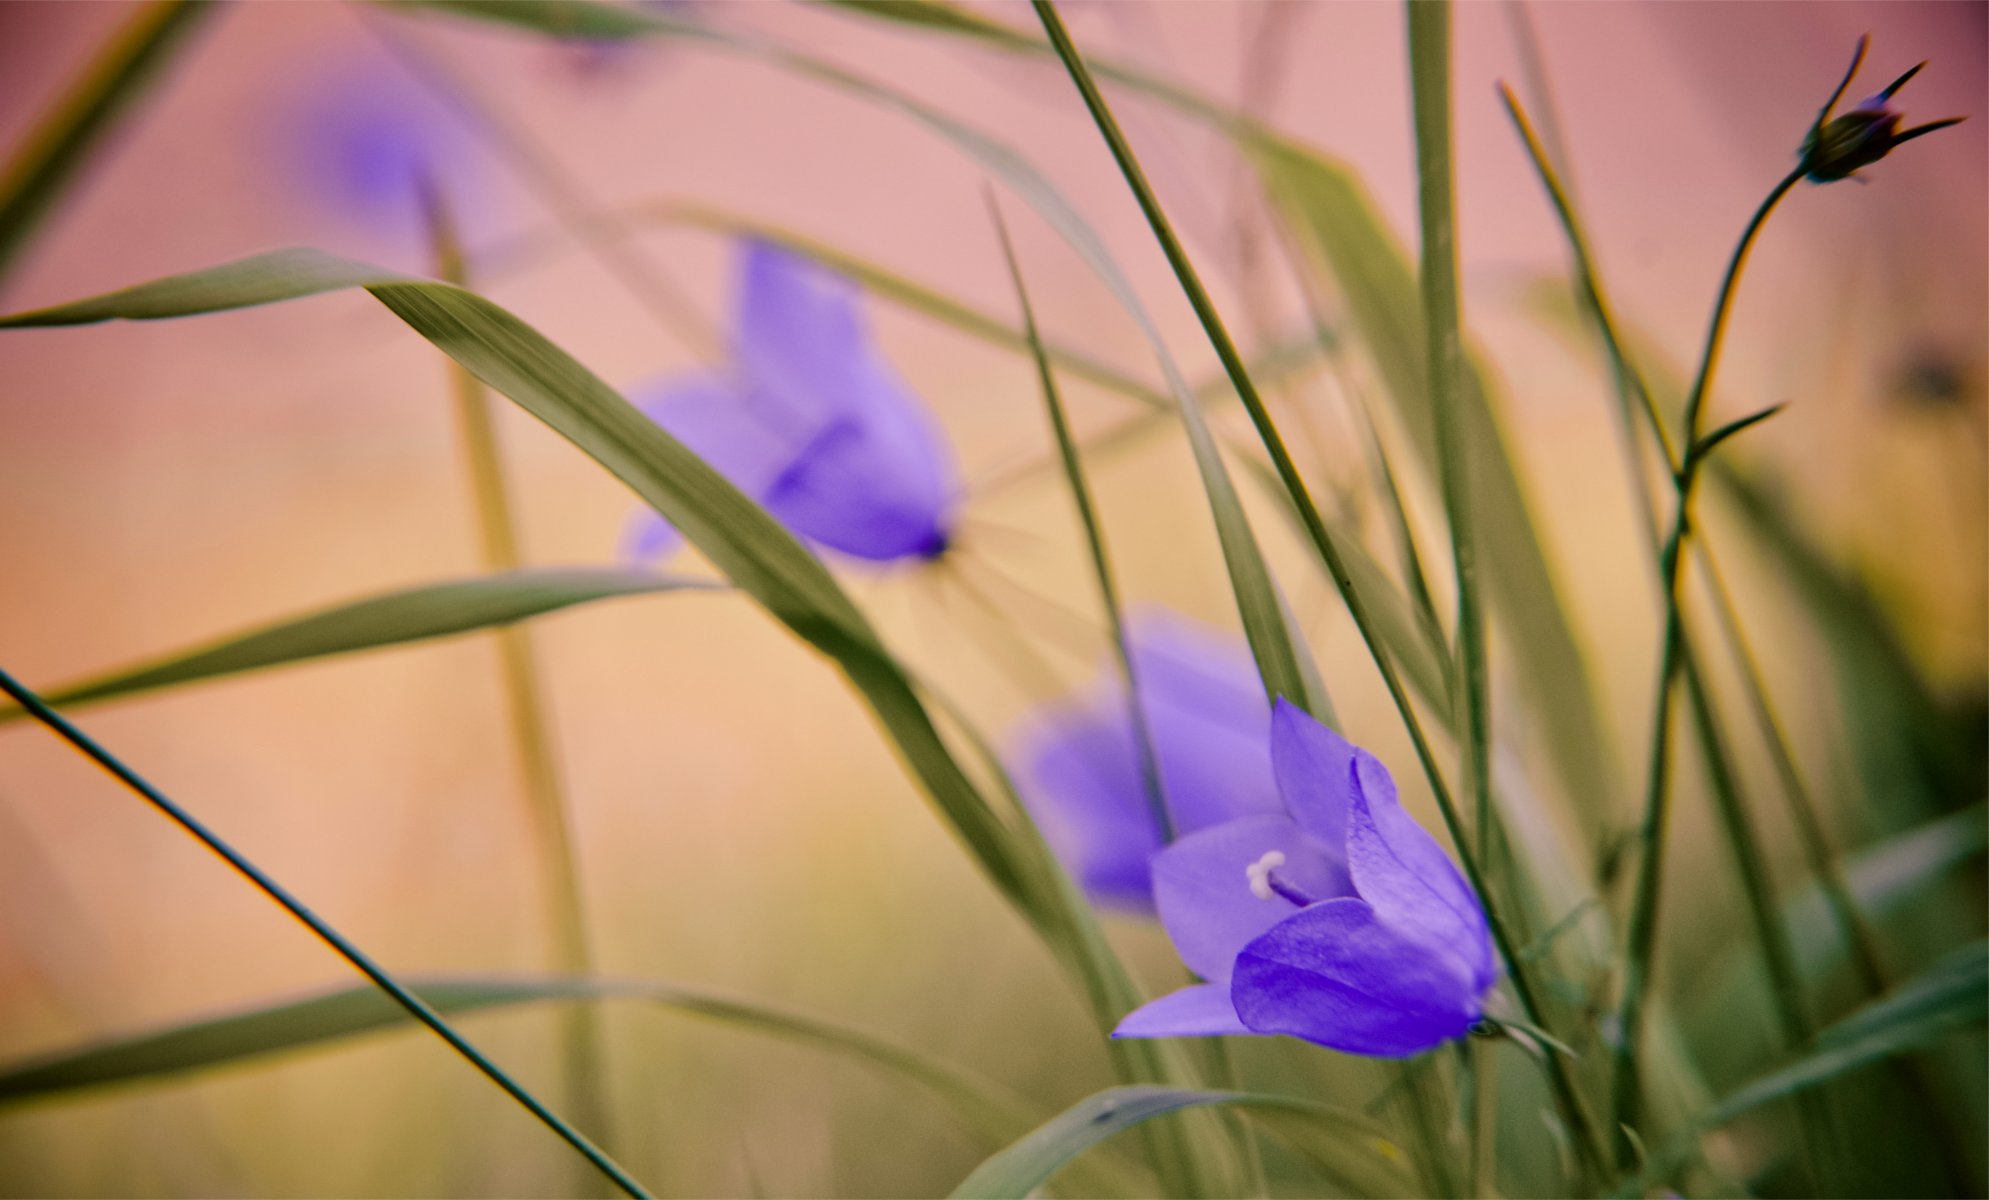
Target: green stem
x: 1566, y: 1093
x: 415, y: 1006
x: 1641, y: 939
x: 524, y: 695
x: 58, y: 146
x: 1429, y: 71
x: 1094, y: 535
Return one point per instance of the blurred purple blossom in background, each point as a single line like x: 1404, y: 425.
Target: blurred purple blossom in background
x: 360, y: 138
x: 811, y: 421
x: 1079, y: 768
x: 1342, y: 923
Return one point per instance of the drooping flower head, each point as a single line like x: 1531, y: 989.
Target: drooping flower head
x: 1079, y: 768
x: 811, y: 421
x: 1838, y: 147
x: 1341, y: 922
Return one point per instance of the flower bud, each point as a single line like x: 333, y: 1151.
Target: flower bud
x: 1838, y: 147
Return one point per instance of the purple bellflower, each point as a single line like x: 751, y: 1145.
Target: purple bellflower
x: 1342, y: 922
x: 362, y: 138
x: 1081, y: 775
x: 811, y: 421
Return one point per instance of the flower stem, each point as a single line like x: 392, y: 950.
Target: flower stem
x: 416, y: 1007
x: 1642, y: 936
x: 552, y: 829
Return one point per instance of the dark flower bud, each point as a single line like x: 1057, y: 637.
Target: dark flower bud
x: 1838, y: 147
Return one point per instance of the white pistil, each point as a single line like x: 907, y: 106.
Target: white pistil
x: 1259, y: 873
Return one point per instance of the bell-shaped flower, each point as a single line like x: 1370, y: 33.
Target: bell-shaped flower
x: 1838, y: 147
x: 811, y: 421
x: 1079, y: 765
x: 1341, y: 922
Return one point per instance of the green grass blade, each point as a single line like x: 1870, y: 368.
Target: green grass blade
x: 1953, y: 995
x: 1343, y: 239
x: 1358, y: 1150
x: 344, y: 947
x: 1443, y: 371
x: 56, y: 149
x: 1094, y: 538
x: 415, y: 614
x: 537, y: 756
x: 246, y: 1037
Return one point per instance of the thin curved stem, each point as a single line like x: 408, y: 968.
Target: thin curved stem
x: 416, y: 1007
x: 1641, y: 939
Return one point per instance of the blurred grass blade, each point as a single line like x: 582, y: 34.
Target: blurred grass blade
x: 241, y: 1038
x: 55, y: 150
x: 1094, y: 538
x: 1953, y: 995
x: 1443, y: 371
x: 414, y: 614
x: 1359, y: 1151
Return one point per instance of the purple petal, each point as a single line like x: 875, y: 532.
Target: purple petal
x: 1206, y: 710
x: 1315, y: 769
x: 1200, y: 1011
x: 360, y: 136
x: 708, y: 415
x: 800, y: 340
x: 1338, y: 975
x: 1399, y: 869
x: 1201, y: 884
x: 879, y: 487
x: 650, y: 539
x: 1080, y: 772
x: 1081, y: 784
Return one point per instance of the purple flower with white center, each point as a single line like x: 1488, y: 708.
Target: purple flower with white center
x: 811, y: 421
x: 1342, y: 923
x: 1080, y: 773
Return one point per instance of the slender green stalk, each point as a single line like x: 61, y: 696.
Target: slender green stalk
x: 524, y: 696
x: 48, y: 159
x: 1429, y: 72
x: 416, y: 1007
x: 1094, y: 535
x: 1567, y: 1095
x: 1859, y: 937
x: 1641, y: 940
x: 1821, y: 857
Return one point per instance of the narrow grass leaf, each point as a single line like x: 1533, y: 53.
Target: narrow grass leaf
x: 1359, y: 1150
x: 51, y: 157
x: 415, y: 614
x: 252, y: 1034
x: 1953, y: 995
x: 1345, y: 240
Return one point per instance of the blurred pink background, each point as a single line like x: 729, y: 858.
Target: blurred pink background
x: 742, y: 824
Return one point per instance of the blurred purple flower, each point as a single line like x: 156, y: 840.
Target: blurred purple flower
x: 1080, y: 769
x: 1343, y: 924
x: 809, y: 420
x: 361, y: 139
